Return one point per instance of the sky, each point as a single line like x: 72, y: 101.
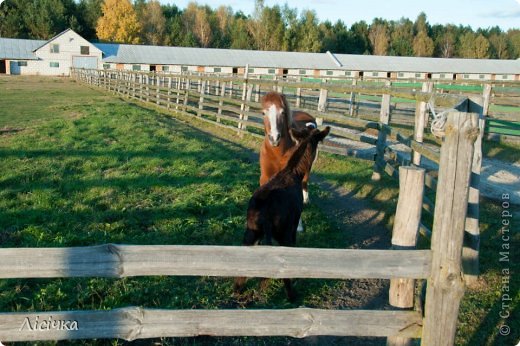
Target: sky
x: 475, y: 13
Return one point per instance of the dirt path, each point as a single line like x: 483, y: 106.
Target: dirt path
x: 497, y: 177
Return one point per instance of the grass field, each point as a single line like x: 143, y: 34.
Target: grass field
x: 86, y: 168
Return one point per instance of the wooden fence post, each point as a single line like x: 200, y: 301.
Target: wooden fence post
x: 470, y: 251
x: 384, y: 119
x: 352, y: 99
x: 322, y: 102
x: 298, y: 97
x: 221, y: 101
x: 445, y: 286
x: 201, y: 98
x: 257, y: 93
x: 421, y: 120
x: 404, y: 236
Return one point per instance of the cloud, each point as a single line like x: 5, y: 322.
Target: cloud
x: 502, y: 14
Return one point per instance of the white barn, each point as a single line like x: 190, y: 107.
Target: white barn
x: 68, y: 49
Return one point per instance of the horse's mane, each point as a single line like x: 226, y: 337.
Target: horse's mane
x: 288, y: 113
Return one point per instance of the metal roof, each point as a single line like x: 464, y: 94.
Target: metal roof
x: 431, y: 65
x: 137, y: 54
x: 162, y: 55
x: 13, y: 48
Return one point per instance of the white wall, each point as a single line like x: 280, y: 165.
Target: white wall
x: 69, y: 46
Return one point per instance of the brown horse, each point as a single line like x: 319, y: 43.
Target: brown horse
x: 278, y: 143
x: 275, y: 208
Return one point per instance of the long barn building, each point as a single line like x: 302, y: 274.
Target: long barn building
x: 56, y: 56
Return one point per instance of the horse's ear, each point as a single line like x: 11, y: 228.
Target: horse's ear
x: 299, y: 134
x: 320, y: 135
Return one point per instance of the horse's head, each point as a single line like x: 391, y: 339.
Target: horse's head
x: 277, y: 117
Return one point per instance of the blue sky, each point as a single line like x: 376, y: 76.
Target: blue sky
x: 476, y: 13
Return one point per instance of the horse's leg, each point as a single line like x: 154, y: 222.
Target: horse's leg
x: 289, y: 240
x: 250, y: 238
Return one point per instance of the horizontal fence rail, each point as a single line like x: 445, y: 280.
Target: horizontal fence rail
x: 113, y: 260
x: 137, y: 323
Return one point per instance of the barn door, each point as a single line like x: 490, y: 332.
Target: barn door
x: 85, y: 62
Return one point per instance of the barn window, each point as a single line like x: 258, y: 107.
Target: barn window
x: 217, y: 69
x: 271, y: 71
x: 136, y: 67
x: 481, y: 76
x: 250, y: 70
x: 504, y: 76
x: 303, y: 71
x: 400, y: 74
x: 54, y: 64
x: 330, y: 73
x: 184, y: 68
x: 348, y: 73
x: 442, y: 75
x: 85, y: 50
x: 466, y: 76
x: 375, y: 74
x: 55, y: 48
x: 22, y: 63
x: 166, y: 68
x: 418, y: 75
x: 106, y: 66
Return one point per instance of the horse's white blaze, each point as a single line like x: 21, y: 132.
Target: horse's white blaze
x: 272, y: 114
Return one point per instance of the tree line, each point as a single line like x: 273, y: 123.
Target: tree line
x: 268, y: 28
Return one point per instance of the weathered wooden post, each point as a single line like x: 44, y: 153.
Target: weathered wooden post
x: 221, y: 101
x: 298, y: 97
x: 201, y: 98
x: 352, y: 99
x: 470, y: 251
x: 257, y: 92
x: 445, y: 286
x: 322, y: 102
x: 404, y: 236
x: 421, y: 120
x: 384, y: 119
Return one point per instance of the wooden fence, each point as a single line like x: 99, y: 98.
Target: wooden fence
x: 440, y: 266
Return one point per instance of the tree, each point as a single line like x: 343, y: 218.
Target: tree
x: 378, y: 36
x: 267, y: 27
x: 11, y: 19
x: 499, y: 46
x: 513, y: 37
x: 359, y: 42
x: 45, y: 18
x: 467, y: 45
x: 481, y: 47
x: 240, y: 37
x: 309, y: 33
x: 402, y: 38
x: 290, y: 20
x: 118, y: 23
x: 422, y: 44
x: 444, y: 40
x: 153, y: 23
x: 89, y: 12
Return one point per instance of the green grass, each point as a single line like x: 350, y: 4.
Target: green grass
x: 97, y: 169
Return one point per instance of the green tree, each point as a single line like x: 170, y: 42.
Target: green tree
x: 499, y: 46
x: 267, y: 27
x: 513, y: 37
x: 467, y: 45
x: 45, y: 18
x: 402, y: 38
x: 309, y: 34
x: 118, y: 23
x: 481, y: 47
x: 359, y: 42
x: 89, y: 12
x: 12, y: 23
x: 290, y: 20
x: 240, y: 37
x: 423, y: 45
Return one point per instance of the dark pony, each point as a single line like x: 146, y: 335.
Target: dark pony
x: 275, y: 207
